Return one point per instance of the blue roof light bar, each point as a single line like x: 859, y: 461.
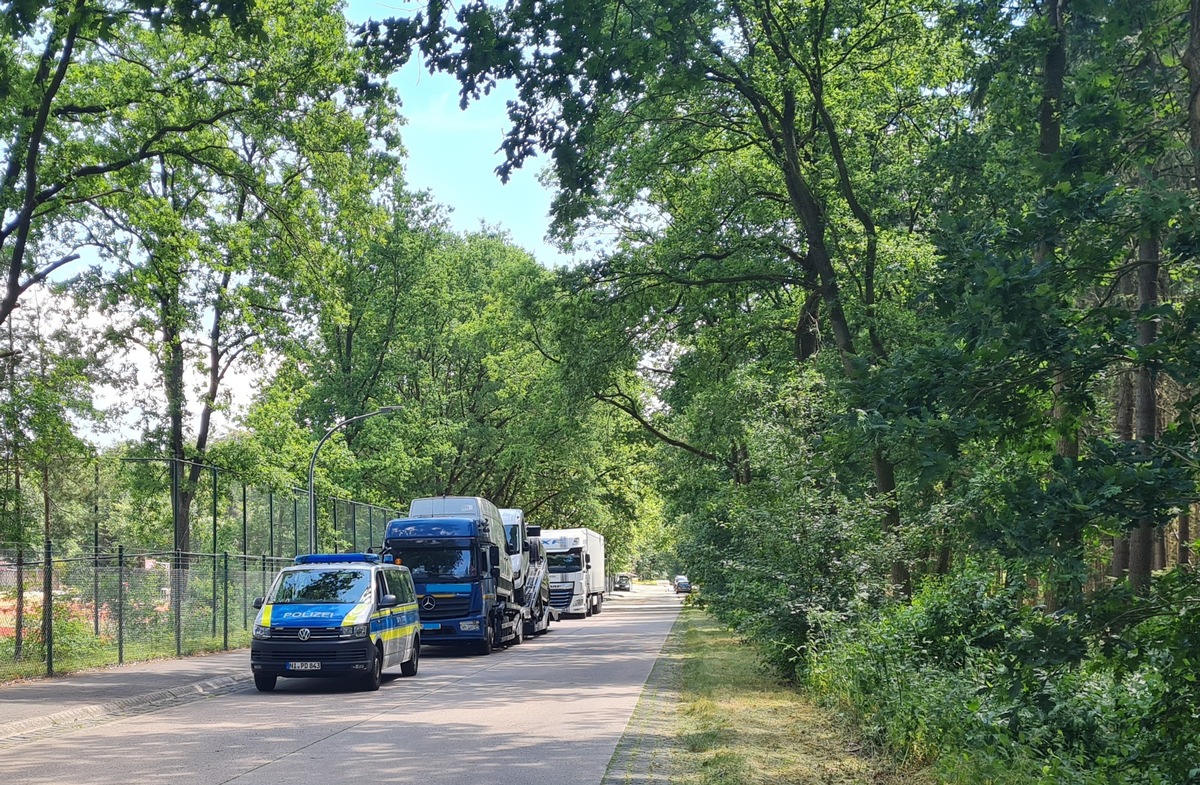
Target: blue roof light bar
x: 337, y: 558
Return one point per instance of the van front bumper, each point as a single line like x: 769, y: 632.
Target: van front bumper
x: 310, y: 659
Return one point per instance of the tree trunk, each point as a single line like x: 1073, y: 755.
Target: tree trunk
x: 1141, y: 545
x: 1063, y: 414
x: 45, y: 468
x: 1191, y: 59
x: 173, y: 380
x: 1185, y: 535
x: 1120, y: 557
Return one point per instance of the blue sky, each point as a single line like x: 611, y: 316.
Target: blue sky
x: 453, y: 153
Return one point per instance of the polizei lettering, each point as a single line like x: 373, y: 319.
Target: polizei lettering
x: 309, y: 615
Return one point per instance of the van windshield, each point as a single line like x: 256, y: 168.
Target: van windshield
x: 435, y: 563
x: 322, y: 586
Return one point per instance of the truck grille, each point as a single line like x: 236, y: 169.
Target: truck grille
x: 561, y: 598
x: 444, y: 607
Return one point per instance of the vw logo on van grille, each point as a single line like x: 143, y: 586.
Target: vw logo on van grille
x: 429, y: 602
x: 304, y: 633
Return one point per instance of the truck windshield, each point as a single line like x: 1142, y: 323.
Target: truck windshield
x: 571, y: 561
x: 322, y: 586
x: 435, y: 563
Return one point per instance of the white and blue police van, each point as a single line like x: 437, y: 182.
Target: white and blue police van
x: 336, y: 614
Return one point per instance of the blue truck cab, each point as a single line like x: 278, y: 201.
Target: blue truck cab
x: 346, y: 615
x: 455, y: 549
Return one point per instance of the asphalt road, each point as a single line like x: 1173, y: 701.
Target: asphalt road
x: 547, y: 712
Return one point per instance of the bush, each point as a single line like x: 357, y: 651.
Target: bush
x: 997, y: 692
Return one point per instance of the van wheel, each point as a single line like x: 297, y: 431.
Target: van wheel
x: 264, y: 683
x: 410, y: 668
x: 373, y: 679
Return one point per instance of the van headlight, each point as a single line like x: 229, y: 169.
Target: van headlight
x: 261, y: 632
x: 356, y: 630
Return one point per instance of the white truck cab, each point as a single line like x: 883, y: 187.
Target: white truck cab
x: 576, y: 563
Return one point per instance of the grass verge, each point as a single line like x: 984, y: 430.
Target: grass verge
x: 739, y: 725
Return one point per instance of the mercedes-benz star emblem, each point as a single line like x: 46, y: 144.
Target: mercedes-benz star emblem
x: 429, y: 602
x: 304, y: 633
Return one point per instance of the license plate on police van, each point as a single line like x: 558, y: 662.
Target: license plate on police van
x: 304, y: 666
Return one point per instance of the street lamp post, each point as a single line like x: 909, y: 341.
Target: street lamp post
x: 312, y: 496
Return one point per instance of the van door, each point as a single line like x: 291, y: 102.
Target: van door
x: 384, y: 615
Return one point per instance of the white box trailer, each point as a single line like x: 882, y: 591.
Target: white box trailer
x: 577, y: 577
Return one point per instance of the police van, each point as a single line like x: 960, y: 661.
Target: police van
x: 345, y: 614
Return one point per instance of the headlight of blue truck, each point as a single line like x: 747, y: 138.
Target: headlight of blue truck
x: 261, y: 632
x: 469, y: 626
x: 356, y: 631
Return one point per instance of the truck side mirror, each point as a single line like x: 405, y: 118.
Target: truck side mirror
x: 494, y: 560
x: 533, y: 531
x: 587, y: 560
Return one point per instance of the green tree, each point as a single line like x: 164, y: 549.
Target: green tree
x: 64, y: 125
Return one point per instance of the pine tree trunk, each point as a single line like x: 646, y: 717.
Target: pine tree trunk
x: 1141, y: 544
x: 1185, y: 535
x: 1191, y: 59
x: 1120, y: 556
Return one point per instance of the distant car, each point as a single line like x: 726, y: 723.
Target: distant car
x: 623, y: 583
x: 683, y: 587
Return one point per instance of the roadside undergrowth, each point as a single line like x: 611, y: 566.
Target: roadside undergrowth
x: 739, y: 725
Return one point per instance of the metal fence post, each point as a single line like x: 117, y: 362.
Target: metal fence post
x: 354, y: 528
x: 245, y: 550
x: 225, y: 603
x: 214, y: 544
x: 263, y: 574
x: 48, y: 608
x: 18, y: 643
x: 271, y: 522
x: 371, y: 525
x: 120, y: 604
x: 96, y: 555
x: 296, y: 526
x: 177, y: 601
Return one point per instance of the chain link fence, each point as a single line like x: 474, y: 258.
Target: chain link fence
x: 66, y: 614
x: 83, y: 596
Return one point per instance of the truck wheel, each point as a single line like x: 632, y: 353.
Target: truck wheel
x: 409, y: 668
x: 373, y: 679
x: 484, y: 647
x: 518, y: 633
x: 599, y: 605
x: 264, y: 683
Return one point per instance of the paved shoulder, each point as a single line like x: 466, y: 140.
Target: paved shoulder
x: 646, y: 751
x: 32, y: 707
